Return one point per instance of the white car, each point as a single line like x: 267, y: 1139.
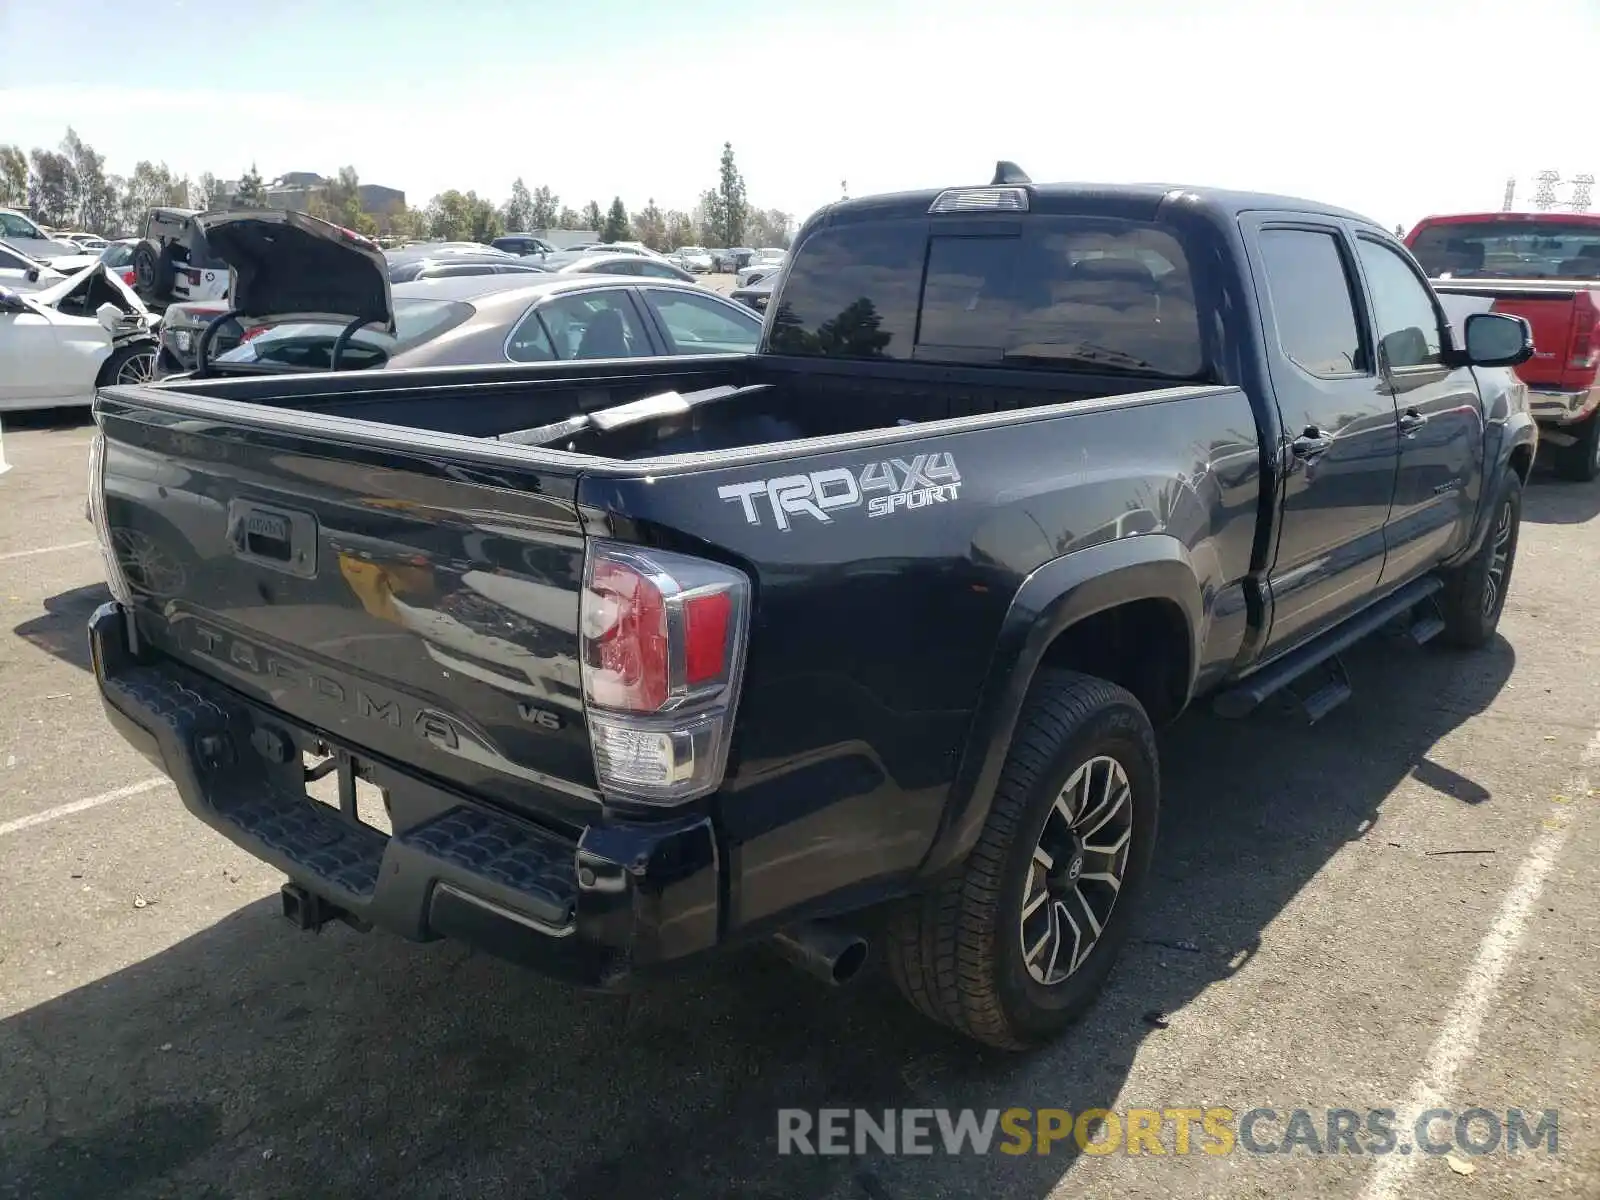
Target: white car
x: 21, y: 273
x: 768, y: 261
x: 60, y: 343
x: 24, y: 234
x: 695, y: 258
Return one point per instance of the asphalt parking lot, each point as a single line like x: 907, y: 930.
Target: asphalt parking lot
x: 1394, y: 908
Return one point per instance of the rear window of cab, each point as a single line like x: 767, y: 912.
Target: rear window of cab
x: 1050, y: 291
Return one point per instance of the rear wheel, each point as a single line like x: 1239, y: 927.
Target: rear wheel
x: 1014, y: 948
x: 1580, y: 462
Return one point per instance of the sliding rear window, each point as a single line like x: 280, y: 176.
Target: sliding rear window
x: 1041, y: 292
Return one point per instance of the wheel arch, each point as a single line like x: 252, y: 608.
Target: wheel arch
x: 1083, y: 611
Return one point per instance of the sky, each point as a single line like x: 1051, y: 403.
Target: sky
x: 1393, y: 108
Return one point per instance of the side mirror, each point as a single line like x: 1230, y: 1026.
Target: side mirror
x: 32, y: 275
x: 1497, y: 340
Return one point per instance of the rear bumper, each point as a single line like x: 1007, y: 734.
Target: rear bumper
x: 1563, y: 408
x: 593, y: 910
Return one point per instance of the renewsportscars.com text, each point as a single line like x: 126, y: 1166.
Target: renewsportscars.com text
x: 1212, y: 1131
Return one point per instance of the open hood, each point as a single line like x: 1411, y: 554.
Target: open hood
x: 288, y: 264
x: 53, y: 295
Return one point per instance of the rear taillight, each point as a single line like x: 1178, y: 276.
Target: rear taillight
x: 662, y: 650
x: 193, y: 276
x: 115, y: 579
x: 1584, y: 352
x: 129, y: 277
x: 253, y: 331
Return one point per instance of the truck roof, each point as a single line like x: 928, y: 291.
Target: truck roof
x: 1142, y: 199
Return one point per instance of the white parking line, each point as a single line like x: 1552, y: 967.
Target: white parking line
x: 44, y: 550
x: 78, y: 806
x: 1458, y: 1037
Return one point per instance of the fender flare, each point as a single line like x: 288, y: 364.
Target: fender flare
x: 1057, y: 595
x: 1517, y: 431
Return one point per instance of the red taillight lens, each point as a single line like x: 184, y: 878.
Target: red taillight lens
x: 628, y: 639
x: 1585, y: 316
x: 662, y: 644
x: 129, y: 278
x: 251, y: 332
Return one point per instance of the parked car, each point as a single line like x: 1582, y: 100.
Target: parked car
x: 732, y: 260
x: 655, y: 658
x: 1545, y: 267
x: 450, y: 266
x: 61, y: 342
x: 22, y: 233
x: 171, y: 261
x: 762, y: 263
x: 118, y: 257
x: 755, y: 295
x: 695, y: 258
x: 89, y: 243
x: 23, y: 273
x: 586, y: 262
x: 533, y: 316
x: 522, y: 243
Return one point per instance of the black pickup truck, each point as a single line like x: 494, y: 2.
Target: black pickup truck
x: 617, y: 662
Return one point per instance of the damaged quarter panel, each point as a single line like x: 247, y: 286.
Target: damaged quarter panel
x: 883, y: 575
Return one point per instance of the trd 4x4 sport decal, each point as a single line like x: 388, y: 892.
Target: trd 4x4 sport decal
x: 885, y: 488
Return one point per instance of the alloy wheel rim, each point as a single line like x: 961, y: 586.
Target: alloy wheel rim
x: 1499, y: 562
x: 139, y: 368
x: 1076, y: 871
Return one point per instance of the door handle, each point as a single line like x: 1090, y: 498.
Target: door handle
x: 1411, y: 421
x: 1311, y: 444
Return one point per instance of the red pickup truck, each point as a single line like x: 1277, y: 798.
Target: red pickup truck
x: 1545, y: 267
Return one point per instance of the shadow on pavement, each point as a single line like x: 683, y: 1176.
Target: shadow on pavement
x: 47, y: 419
x: 64, y: 629
x: 1551, y: 500
x: 249, y: 1060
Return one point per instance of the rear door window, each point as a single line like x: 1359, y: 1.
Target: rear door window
x: 601, y: 324
x: 1311, y: 289
x: 701, y: 325
x: 1066, y: 293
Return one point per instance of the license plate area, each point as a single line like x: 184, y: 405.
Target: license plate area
x: 341, y: 781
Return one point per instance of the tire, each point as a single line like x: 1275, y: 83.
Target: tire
x: 144, y: 268
x: 957, y: 951
x: 1474, y: 593
x: 1580, y: 462
x: 133, y: 363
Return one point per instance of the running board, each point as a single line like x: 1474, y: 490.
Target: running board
x: 1250, y: 693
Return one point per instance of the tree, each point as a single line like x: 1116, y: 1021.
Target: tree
x: 616, y: 228
x: 651, y: 228
x: 518, y: 212
x: 207, y: 191
x: 591, y: 217
x: 769, y: 227
x: 680, y: 229
x: 457, y: 217
x: 569, y: 219
x: 252, y: 192
x: 546, y: 211
x: 13, y: 176
x: 732, y: 208
x: 149, y: 186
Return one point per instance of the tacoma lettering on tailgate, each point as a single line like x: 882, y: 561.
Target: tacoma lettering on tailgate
x: 885, y: 488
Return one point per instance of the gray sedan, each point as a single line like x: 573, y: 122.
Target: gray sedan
x: 591, y: 262
x: 525, y: 318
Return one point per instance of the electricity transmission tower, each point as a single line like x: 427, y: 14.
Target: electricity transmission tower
x: 1581, y: 186
x: 1544, y: 197
x: 1511, y: 194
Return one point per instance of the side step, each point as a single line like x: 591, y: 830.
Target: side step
x: 1250, y: 693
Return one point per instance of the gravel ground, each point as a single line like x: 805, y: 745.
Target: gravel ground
x: 1311, y: 940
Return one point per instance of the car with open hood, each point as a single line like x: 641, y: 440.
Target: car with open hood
x: 311, y: 296
x: 62, y: 341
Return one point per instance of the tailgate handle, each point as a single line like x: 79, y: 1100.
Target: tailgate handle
x: 279, y: 538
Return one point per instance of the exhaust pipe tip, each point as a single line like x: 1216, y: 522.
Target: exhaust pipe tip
x: 832, y: 955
